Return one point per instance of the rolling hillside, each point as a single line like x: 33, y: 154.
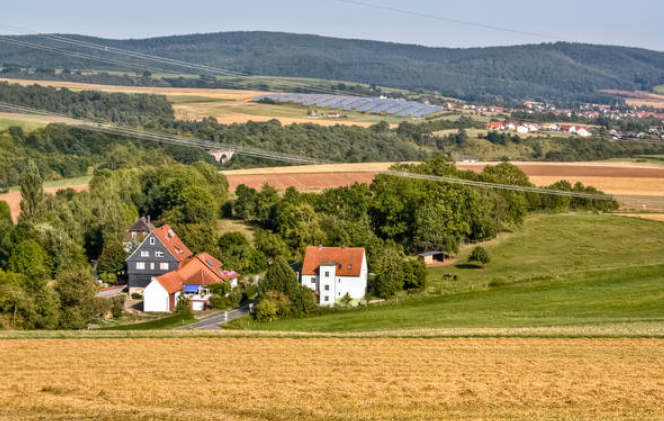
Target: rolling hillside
x: 558, y: 71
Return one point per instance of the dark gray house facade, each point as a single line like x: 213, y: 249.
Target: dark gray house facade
x: 160, y: 252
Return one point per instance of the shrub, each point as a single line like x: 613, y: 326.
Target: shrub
x: 282, y: 302
x: 266, y: 311
x: 498, y: 282
x: 182, y: 307
x: 136, y: 296
x: 480, y: 255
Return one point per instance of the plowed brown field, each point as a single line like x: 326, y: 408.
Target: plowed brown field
x: 332, y: 379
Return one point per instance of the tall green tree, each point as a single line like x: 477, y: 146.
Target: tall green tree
x: 32, y: 193
x: 5, y: 213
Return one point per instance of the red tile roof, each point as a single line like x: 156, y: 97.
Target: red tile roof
x: 202, y: 269
x: 171, y: 241
x: 348, y: 260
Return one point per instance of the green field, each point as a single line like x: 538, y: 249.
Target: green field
x: 165, y: 323
x: 559, y: 270
x: 659, y: 89
x: 65, y: 182
x: 27, y: 126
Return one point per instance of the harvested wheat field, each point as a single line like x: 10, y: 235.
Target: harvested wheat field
x: 615, y: 178
x: 219, y: 94
x: 332, y: 379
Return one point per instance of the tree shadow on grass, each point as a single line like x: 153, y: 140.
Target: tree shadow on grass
x: 468, y: 266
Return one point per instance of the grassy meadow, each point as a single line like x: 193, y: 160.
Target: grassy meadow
x: 558, y: 270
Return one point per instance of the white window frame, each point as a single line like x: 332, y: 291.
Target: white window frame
x: 159, y: 253
x: 140, y: 265
x: 163, y: 266
x: 153, y: 241
x: 327, y: 298
x: 152, y: 266
x: 145, y: 253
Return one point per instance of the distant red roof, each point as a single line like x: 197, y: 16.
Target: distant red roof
x: 171, y: 241
x: 348, y: 260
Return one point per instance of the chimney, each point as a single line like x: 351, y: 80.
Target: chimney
x: 320, y: 247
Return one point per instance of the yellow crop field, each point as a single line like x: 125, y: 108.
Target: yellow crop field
x: 332, y: 379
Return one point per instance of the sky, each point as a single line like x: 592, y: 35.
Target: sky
x: 635, y: 23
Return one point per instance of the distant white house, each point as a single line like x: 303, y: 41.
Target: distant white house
x: 333, y: 272
x: 583, y: 132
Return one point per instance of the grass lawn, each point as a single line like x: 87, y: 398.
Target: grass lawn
x: 555, y: 245
x: 629, y: 295
x: 659, y: 89
x: 75, y: 181
x: 558, y: 270
x: 27, y: 126
x: 165, y: 323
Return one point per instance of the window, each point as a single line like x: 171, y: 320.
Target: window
x: 152, y: 266
x: 339, y: 294
x: 327, y: 274
x: 140, y: 265
x: 350, y: 267
x: 163, y: 266
x: 152, y: 241
x: 313, y: 281
x: 327, y: 298
x: 327, y: 287
x: 159, y: 254
x: 145, y: 253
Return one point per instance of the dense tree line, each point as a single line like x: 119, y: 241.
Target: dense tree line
x: 395, y: 217
x: 62, y: 151
x: 564, y: 72
x: 115, y: 107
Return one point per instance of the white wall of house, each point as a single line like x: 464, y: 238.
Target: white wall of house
x: 155, y: 298
x: 337, y: 286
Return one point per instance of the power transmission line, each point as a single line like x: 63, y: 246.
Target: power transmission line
x: 523, y: 189
x: 97, y: 125
x: 105, y: 127
x: 450, y: 20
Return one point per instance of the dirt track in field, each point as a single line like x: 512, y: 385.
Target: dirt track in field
x: 332, y: 379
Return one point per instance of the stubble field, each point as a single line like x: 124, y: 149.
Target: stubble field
x: 332, y: 379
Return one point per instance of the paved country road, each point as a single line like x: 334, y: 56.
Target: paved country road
x: 213, y: 322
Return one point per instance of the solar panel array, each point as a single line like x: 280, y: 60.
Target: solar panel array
x: 400, y: 107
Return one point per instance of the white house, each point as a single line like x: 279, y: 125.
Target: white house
x: 334, y: 272
x: 583, y: 132
x: 193, y: 278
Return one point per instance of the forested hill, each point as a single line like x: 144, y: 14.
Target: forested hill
x: 559, y: 71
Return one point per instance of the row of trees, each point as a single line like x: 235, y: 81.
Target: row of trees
x: 115, y: 107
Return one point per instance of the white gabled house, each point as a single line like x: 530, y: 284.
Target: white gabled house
x: 193, y: 279
x: 333, y: 272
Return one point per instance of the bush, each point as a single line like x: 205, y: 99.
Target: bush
x: 480, y: 255
x: 118, y: 307
x: 266, y: 311
x: 498, y: 282
x: 281, y: 301
x: 108, y: 278
x: 136, y: 296
x: 182, y: 307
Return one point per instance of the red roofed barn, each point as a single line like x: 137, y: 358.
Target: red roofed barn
x: 334, y: 272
